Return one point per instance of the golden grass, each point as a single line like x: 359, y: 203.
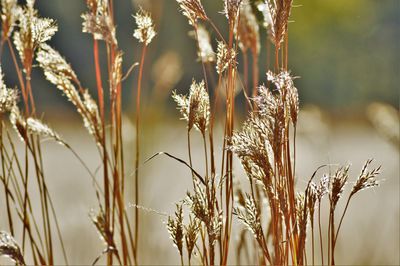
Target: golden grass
x: 273, y: 210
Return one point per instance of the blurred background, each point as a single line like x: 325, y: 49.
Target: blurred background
x: 346, y: 55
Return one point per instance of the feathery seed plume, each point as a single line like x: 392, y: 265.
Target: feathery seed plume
x: 175, y: 228
x: 56, y: 69
x: 366, y: 179
x: 338, y: 181
x: 33, y: 32
x: 231, y: 10
x: 191, y: 234
x: 323, y: 187
x: 8, y: 97
x: 279, y: 14
x: 312, y: 198
x: 195, y: 108
x: 99, y: 221
x: 193, y: 10
x: 145, y: 27
x: 60, y: 73
x: 37, y: 127
x: 225, y: 57
x: 250, y: 217
x: 31, y: 125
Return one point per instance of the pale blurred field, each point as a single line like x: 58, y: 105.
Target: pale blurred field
x: 370, y: 233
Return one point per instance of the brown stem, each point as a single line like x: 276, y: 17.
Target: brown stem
x: 19, y: 74
x: 312, y: 239
x: 276, y: 59
x: 340, y: 224
x: 139, y: 87
x: 103, y: 139
x: 321, y: 244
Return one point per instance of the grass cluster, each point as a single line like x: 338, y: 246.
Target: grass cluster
x: 281, y: 219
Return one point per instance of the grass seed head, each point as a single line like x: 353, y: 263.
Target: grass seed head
x: 33, y: 32
x: 337, y: 183
x: 193, y: 10
x: 32, y: 125
x: 116, y: 75
x: 18, y: 124
x: 312, y: 198
x: 175, y: 228
x: 10, y: 12
x: 251, y: 143
x: 191, y: 234
x: 91, y: 116
x: 61, y: 74
x: 366, y: 179
x: 8, y: 97
x: 225, y: 57
x: 231, y: 10
x: 145, y: 27
x: 37, y: 127
x: 195, y: 108
x: 99, y: 221
x: 56, y: 69
x: 323, y: 187
x: 250, y: 217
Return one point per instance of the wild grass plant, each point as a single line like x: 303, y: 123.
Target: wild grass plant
x: 282, y: 219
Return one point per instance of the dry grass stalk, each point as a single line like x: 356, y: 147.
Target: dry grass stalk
x: 144, y: 33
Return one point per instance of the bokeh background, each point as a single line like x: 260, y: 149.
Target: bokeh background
x: 346, y: 54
